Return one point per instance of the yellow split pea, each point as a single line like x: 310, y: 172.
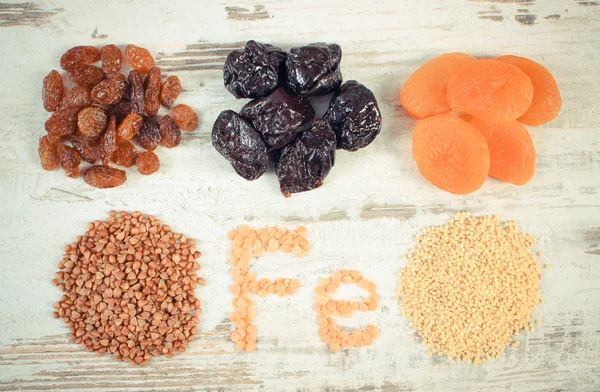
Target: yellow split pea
x: 469, y: 286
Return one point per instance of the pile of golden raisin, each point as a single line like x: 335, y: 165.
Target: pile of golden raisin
x: 100, y: 117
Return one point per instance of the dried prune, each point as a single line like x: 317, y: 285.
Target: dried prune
x: 124, y: 154
x: 63, y: 122
x: 170, y: 91
x: 152, y: 86
x: 85, y: 75
x: 91, y: 121
x: 254, y: 71
x: 185, y: 117
x: 170, y: 135
x: 129, y: 127
x: 140, y: 59
x: 77, y: 97
x: 279, y: 117
x: 48, y: 153
x: 100, y: 176
x: 147, y: 163
x: 120, y: 110
x: 110, y: 91
x: 304, y: 164
x: 52, y: 91
x: 136, y: 92
x: 79, y: 55
x: 108, y: 142
x: 69, y: 160
x: 354, y: 116
x: 111, y: 59
x: 235, y: 139
x: 149, y: 134
x: 82, y: 146
x: 314, y: 69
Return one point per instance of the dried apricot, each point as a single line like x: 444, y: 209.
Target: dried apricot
x: 124, y: 154
x: 152, y: 86
x: 79, y: 55
x: 491, y: 90
x: 450, y: 154
x: 129, y: 127
x: 463, y: 116
x: 136, y: 92
x: 547, y: 101
x: 170, y: 135
x: 85, y: 75
x: 52, y: 91
x: 147, y: 163
x: 108, y: 142
x: 91, y: 121
x: 69, y: 160
x: 185, y: 117
x: 63, y: 122
x: 110, y: 91
x: 100, y: 176
x: 149, y: 134
x: 424, y: 94
x: 512, y: 153
x: 140, y: 59
x: 77, y: 97
x: 111, y: 59
x: 48, y: 152
x: 170, y: 91
x: 82, y: 146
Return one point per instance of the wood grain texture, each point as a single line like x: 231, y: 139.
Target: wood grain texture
x: 364, y: 217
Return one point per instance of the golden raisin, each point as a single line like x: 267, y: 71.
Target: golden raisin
x: 136, y: 92
x: 100, y: 176
x: 48, y: 153
x: 140, y: 59
x: 149, y: 134
x: 79, y: 55
x: 69, y: 160
x: 147, y: 163
x: 108, y: 142
x: 110, y: 91
x: 185, y: 117
x: 63, y: 122
x: 152, y: 86
x: 119, y: 110
x: 170, y: 135
x: 129, y: 127
x: 52, y: 91
x: 111, y: 59
x: 85, y: 75
x: 82, y: 146
x: 170, y: 91
x: 91, y: 121
x: 124, y: 154
x: 77, y: 97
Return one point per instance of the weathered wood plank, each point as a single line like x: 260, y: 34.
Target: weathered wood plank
x: 364, y: 217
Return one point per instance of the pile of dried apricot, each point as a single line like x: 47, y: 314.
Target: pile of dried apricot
x: 105, y: 112
x: 471, y: 116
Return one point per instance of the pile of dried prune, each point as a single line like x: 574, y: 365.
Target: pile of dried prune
x: 105, y: 113
x: 279, y: 124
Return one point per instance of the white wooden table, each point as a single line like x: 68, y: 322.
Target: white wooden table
x: 364, y: 217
